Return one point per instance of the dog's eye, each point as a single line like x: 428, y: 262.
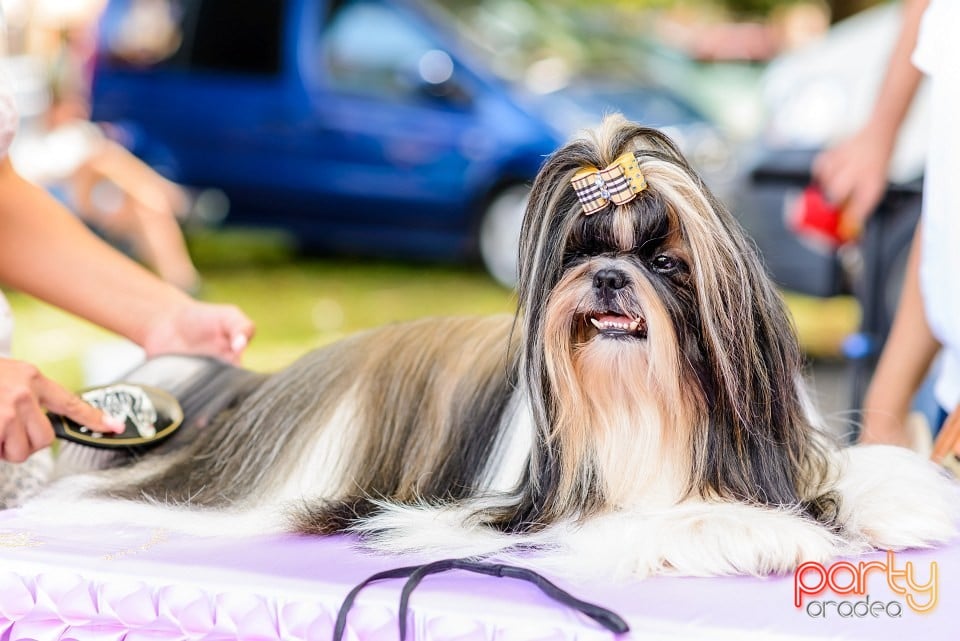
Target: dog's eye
x: 665, y: 263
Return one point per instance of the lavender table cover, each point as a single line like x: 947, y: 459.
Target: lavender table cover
x: 140, y: 583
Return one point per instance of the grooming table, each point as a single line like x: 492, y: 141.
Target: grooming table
x: 141, y: 583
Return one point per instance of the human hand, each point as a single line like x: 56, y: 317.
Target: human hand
x: 24, y: 393
x: 853, y: 175
x: 193, y: 327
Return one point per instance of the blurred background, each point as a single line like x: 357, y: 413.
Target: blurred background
x: 332, y: 165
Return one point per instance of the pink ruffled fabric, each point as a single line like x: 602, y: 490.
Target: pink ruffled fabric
x: 70, y: 606
x: 135, y: 583
x: 141, y: 583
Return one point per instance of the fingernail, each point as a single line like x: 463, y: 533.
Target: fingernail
x: 238, y: 343
x: 118, y: 425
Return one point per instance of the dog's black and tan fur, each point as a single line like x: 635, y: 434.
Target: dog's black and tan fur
x: 651, y: 367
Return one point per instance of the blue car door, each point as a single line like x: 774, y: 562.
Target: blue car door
x: 389, y: 133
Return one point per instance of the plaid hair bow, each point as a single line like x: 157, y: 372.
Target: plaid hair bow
x: 618, y: 183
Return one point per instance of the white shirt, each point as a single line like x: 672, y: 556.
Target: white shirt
x: 938, y: 55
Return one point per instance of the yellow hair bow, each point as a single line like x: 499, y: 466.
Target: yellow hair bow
x: 618, y: 183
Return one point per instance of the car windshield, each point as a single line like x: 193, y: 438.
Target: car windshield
x: 576, y: 62
x: 544, y: 46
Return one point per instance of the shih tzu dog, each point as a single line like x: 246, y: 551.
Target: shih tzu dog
x: 643, y: 412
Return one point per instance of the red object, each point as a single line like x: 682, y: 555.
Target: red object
x: 814, y: 217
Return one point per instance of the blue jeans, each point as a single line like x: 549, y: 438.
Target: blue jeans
x: 938, y: 420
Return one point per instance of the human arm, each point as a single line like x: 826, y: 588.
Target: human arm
x: 909, y: 350
x: 46, y: 252
x: 854, y: 173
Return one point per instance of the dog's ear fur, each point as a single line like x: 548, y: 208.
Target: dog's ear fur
x: 757, y: 443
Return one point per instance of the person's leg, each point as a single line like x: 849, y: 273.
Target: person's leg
x: 138, y: 179
x: 143, y: 221
x: 161, y: 245
x: 939, y: 419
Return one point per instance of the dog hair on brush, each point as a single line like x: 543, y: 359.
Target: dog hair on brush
x: 644, y: 411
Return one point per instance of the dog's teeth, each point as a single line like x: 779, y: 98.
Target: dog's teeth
x: 631, y: 326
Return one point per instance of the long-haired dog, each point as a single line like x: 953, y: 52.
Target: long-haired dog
x: 644, y: 411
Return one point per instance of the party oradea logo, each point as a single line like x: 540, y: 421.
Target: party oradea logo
x: 856, y: 591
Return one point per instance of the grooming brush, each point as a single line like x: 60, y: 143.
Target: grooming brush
x: 151, y: 415
x: 946, y: 449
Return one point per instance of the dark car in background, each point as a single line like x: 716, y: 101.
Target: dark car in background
x: 361, y: 126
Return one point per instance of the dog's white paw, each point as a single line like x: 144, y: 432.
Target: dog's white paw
x: 736, y: 538
x: 693, y: 539
x: 892, y: 498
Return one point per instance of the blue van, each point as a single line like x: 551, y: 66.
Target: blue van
x: 361, y: 126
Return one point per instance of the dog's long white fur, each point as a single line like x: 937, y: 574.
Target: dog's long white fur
x: 889, y: 498
x: 917, y: 506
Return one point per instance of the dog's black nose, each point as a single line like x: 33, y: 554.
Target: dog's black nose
x: 609, y: 279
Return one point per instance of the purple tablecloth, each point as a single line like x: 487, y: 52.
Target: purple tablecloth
x: 141, y: 583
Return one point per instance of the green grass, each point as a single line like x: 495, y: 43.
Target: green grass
x: 296, y: 303
x: 301, y: 303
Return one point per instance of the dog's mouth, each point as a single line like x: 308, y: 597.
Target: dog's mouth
x: 615, y: 325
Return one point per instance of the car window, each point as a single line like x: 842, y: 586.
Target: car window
x: 370, y: 48
x: 237, y: 36
x: 141, y: 32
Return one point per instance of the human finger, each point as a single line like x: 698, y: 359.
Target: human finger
x: 863, y: 202
x: 837, y: 181
x: 239, y: 329
x: 823, y: 164
x: 62, y: 401
x: 15, y: 446
x: 35, y: 423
